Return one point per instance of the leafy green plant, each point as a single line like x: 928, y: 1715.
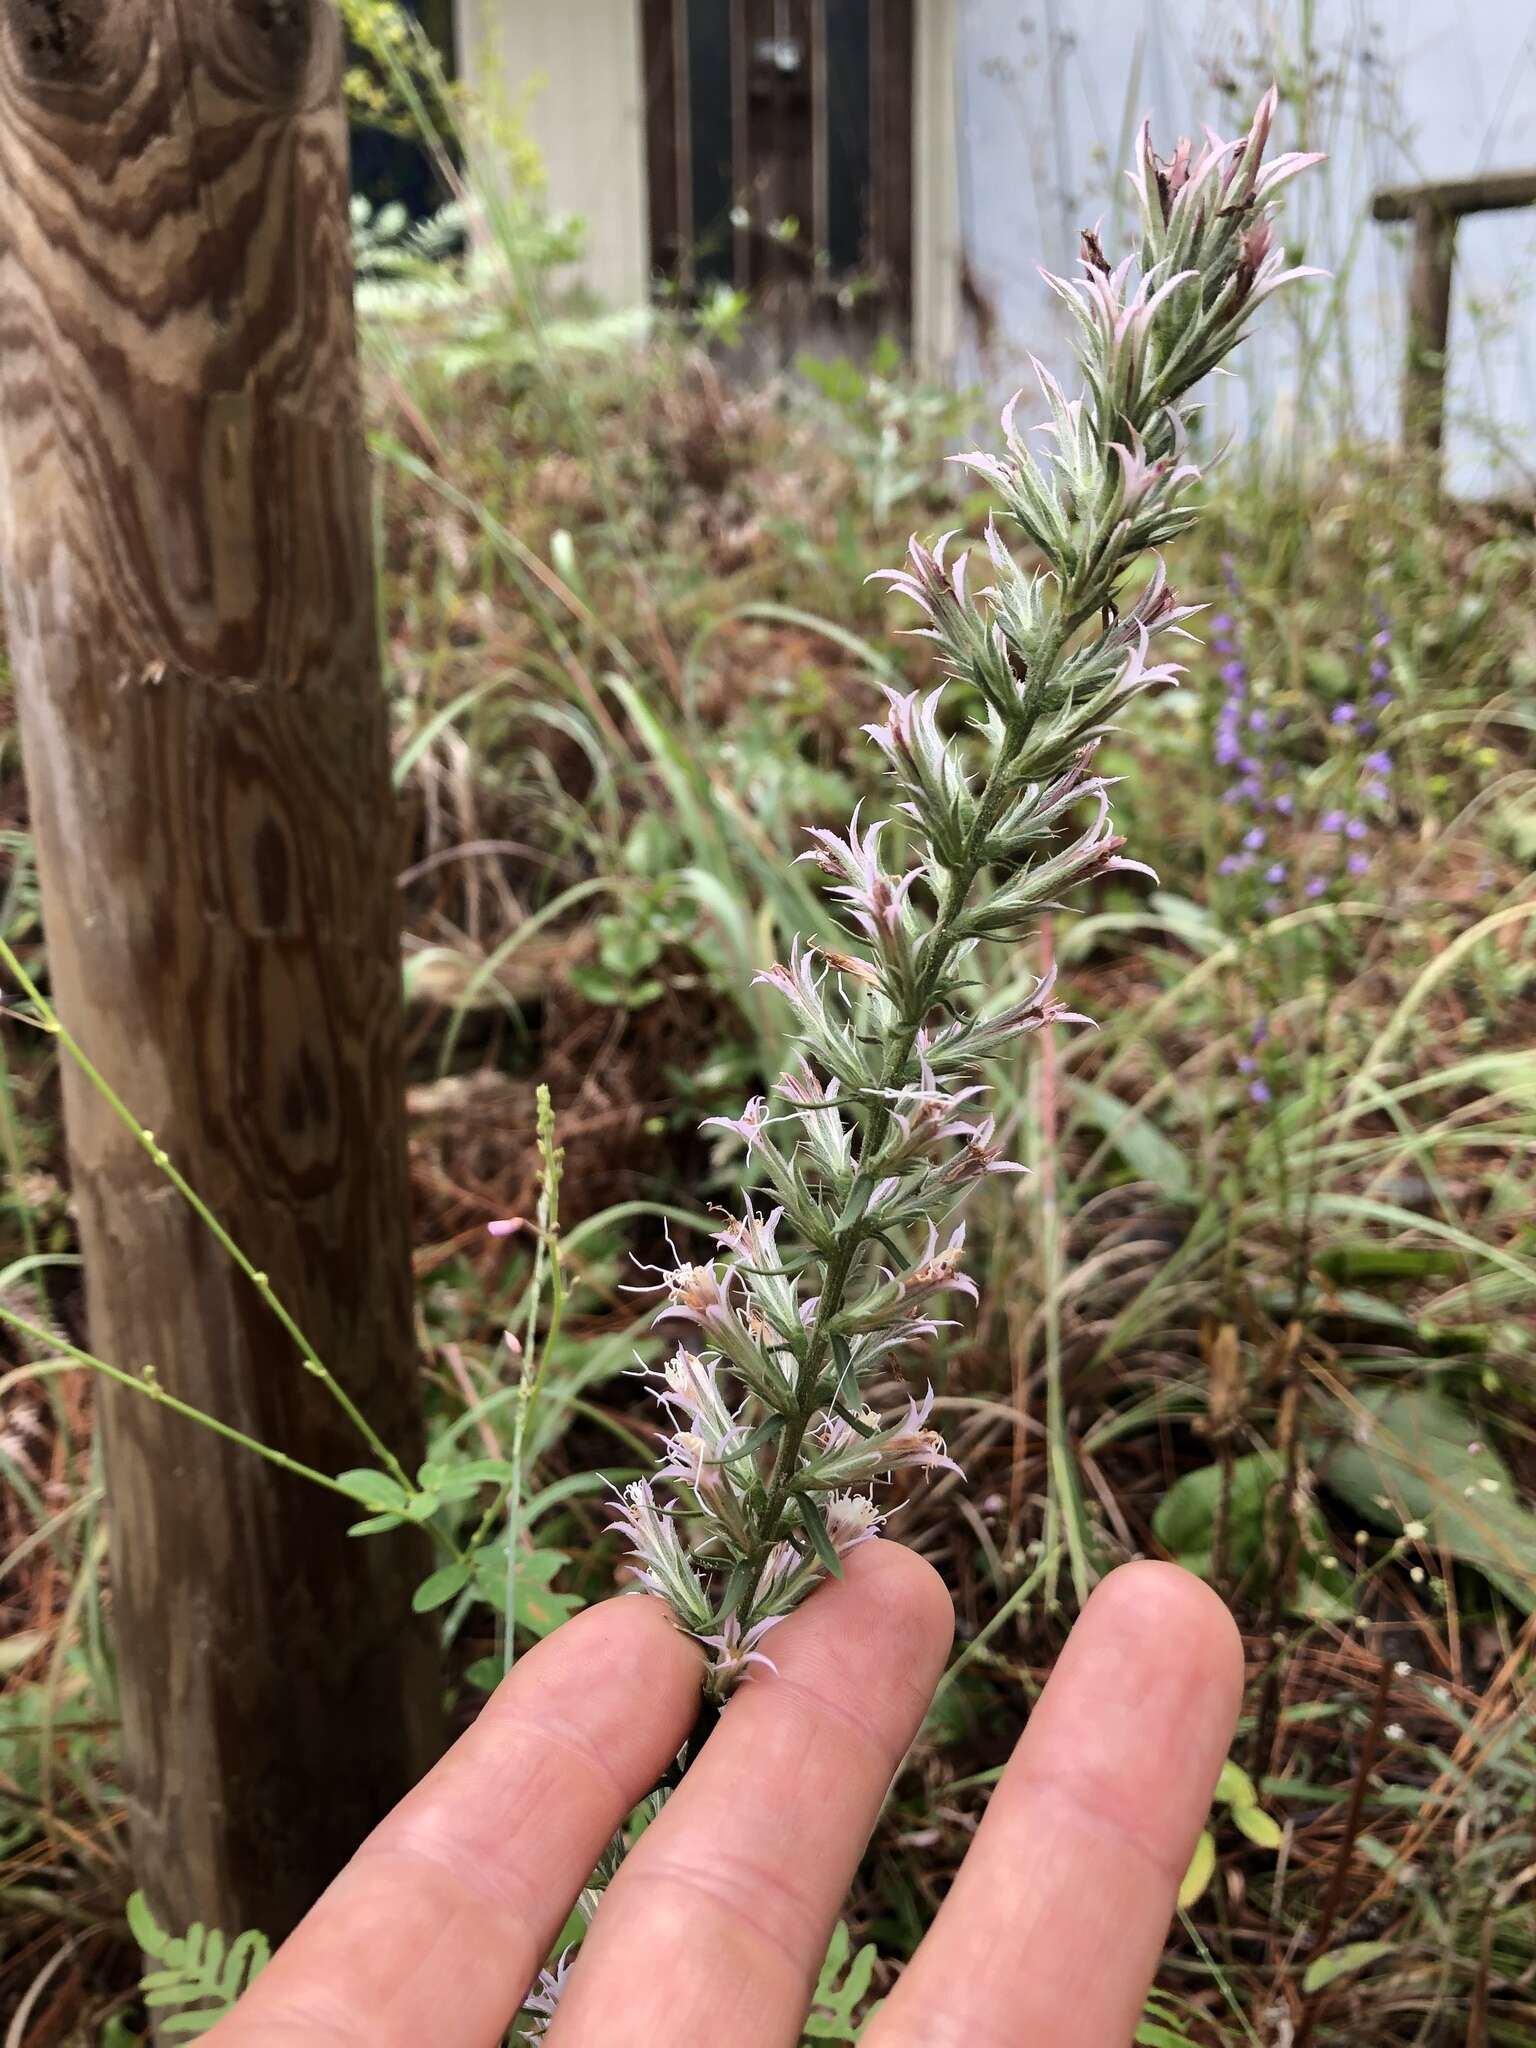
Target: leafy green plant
x: 200, y: 1975
x: 1235, y: 1791
x: 891, y: 427
x: 1189, y: 1514
x: 838, y: 2010
x: 1162, y: 2023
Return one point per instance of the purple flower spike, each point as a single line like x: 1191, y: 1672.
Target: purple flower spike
x: 1358, y: 863
x: 1344, y: 714
x: 1317, y: 887
x: 1355, y: 828
x: 1331, y: 821
x: 1275, y: 873
x: 1254, y: 837
x: 1258, y: 1091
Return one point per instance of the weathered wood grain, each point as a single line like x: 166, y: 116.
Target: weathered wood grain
x: 1435, y: 210
x: 189, y: 600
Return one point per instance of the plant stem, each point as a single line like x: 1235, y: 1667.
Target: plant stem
x: 50, y: 1022
x: 152, y: 1390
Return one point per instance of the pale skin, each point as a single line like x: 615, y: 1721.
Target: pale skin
x: 714, y: 1931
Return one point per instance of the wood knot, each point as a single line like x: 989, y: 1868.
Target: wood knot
x: 54, y: 41
x: 273, y: 41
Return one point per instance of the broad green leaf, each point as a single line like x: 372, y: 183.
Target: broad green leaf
x: 1411, y: 1459
x: 539, y: 1609
x: 1185, y: 1524
x: 440, y: 1588
x: 375, y: 1490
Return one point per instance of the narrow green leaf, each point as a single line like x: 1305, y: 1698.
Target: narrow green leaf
x: 144, y: 1927
x: 814, y: 1524
x: 1202, y: 1867
x: 1342, y: 1962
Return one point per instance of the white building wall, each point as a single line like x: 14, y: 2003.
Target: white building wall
x: 572, y: 74
x: 1050, y: 91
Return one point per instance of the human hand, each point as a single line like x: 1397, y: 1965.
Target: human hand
x: 714, y: 1931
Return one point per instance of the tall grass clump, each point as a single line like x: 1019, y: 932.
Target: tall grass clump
x: 868, y: 1144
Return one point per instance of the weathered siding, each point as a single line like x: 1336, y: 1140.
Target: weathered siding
x: 1414, y: 89
x: 571, y: 73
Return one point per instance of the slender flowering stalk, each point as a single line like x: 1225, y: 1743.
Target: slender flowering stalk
x: 849, y: 1255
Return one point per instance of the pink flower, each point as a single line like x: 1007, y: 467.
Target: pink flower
x: 735, y: 1653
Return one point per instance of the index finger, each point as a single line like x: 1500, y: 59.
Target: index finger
x: 437, y: 1926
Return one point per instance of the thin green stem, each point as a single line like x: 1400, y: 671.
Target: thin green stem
x: 151, y: 1390
x: 313, y: 1363
x: 546, y: 1260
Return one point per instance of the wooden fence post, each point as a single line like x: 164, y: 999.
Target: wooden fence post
x: 1435, y: 211
x: 188, y: 590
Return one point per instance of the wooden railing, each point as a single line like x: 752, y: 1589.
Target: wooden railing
x: 1435, y: 211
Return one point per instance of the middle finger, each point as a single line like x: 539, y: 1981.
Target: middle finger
x: 718, y: 1922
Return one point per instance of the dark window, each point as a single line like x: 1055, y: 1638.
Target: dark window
x: 796, y: 117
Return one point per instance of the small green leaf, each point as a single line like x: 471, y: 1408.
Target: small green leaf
x: 1202, y: 1866
x: 144, y: 1927
x: 1341, y: 1962
x: 374, y: 1525
x: 764, y: 1433
x: 814, y: 1525
x: 1234, y: 1787
x: 1258, y: 1826
x: 375, y: 1490
x: 440, y: 1588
